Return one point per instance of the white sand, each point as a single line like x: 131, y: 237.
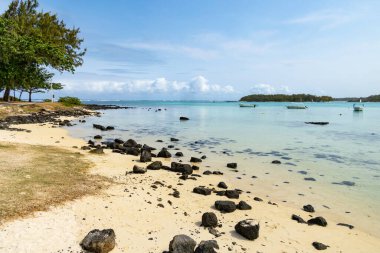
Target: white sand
x: 130, y: 208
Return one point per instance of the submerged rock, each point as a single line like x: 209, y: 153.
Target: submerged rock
x: 183, y: 118
x: 276, y: 162
x: 99, y: 241
x: 249, y: 229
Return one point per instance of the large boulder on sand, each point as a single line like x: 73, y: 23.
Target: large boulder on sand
x: 249, y: 229
x: 225, y: 206
x: 182, y: 244
x: 99, y: 241
x: 209, y: 220
x: 145, y: 156
x: 207, y: 247
x: 156, y: 165
x: 139, y: 170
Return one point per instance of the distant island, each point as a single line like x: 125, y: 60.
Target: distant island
x: 285, y: 98
x: 373, y: 98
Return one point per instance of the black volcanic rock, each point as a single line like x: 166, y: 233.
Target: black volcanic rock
x: 209, y: 220
x: 249, y: 229
x: 320, y: 221
x: 225, y: 206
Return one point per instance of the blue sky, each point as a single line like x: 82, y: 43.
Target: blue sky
x: 214, y: 49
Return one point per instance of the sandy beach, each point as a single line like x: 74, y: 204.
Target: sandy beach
x: 146, y: 218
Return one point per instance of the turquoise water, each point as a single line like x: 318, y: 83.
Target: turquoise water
x: 348, y: 149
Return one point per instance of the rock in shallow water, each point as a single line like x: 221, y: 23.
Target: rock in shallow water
x: 99, y: 241
x: 249, y: 229
x: 182, y: 244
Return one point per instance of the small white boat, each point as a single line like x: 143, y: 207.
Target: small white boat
x: 358, y: 107
x: 296, y: 106
x: 247, y: 105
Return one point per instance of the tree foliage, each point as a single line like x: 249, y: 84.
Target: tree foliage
x: 32, y: 42
x: 285, y: 98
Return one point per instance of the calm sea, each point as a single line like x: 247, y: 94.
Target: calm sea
x: 343, y: 157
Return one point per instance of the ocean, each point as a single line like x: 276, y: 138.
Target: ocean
x: 335, y: 167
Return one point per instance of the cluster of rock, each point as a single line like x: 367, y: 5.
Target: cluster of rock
x: 44, y: 116
x: 96, y: 107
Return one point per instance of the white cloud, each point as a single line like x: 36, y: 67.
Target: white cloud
x: 269, y: 89
x: 198, y: 84
x: 328, y: 19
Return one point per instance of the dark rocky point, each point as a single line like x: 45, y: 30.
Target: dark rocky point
x: 183, y: 118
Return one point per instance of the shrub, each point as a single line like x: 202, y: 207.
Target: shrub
x: 70, y: 101
x: 47, y: 100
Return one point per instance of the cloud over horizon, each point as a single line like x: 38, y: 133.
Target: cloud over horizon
x: 198, y: 84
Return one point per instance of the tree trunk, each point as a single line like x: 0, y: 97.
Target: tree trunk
x: 19, y: 97
x: 6, y: 96
x: 14, y: 95
x: 30, y: 96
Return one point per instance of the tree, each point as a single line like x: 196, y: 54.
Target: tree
x: 34, y: 41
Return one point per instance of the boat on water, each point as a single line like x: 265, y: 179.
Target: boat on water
x: 358, y: 107
x: 296, y: 106
x: 247, y: 105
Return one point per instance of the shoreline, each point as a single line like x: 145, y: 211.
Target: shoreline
x: 129, y: 198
